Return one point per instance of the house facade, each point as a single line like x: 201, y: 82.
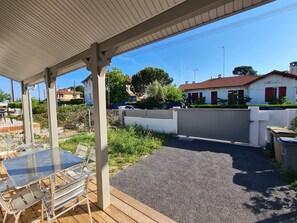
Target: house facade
x: 88, y: 90
x: 67, y: 95
x: 236, y: 90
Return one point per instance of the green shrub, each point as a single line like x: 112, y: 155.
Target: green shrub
x: 14, y: 105
x: 126, y: 146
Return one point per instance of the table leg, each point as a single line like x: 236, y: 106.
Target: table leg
x: 52, y: 179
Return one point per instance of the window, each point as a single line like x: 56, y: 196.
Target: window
x: 61, y: 95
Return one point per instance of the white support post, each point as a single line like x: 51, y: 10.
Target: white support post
x: 26, y: 113
x: 97, y: 64
x: 50, y: 82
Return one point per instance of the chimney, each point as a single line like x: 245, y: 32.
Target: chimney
x: 193, y: 82
x: 186, y: 82
x: 293, y: 68
x: 220, y: 75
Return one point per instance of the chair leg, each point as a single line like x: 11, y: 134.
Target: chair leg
x: 42, y: 212
x: 89, y: 210
x: 17, y: 217
x: 5, y: 216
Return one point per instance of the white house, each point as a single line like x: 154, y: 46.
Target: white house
x: 88, y: 90
x: 261, y: 89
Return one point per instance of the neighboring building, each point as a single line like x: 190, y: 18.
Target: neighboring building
x: 261, y: 89
x: 67, y: 94
x: 88, y: 92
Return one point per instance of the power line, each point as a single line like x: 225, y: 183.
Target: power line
x: 242, y: 22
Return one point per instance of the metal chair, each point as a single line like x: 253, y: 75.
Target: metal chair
x: 21, y: 201
x: 82, y: 150
x: 86, y: 169
x: 5, y: 185
x: 68, y: 193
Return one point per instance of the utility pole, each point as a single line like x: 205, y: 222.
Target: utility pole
x: 223, y: 47
x: 11, y: 91
x: 38, y: 92
x: 108, y: 91
x: 196, y: 69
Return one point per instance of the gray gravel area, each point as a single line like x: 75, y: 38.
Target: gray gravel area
x: 204, y: 181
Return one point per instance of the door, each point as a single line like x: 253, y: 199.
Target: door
x: 214, y: 97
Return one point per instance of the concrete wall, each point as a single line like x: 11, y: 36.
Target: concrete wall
x: 167, y: 125
x: 260, y: 120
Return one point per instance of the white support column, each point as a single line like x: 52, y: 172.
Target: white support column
x: 50, y: 82
x: 26, y: 113
x: 97, y: 65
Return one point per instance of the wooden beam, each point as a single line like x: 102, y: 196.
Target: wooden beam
x: 51, y: 108
x: 97, y: 65
x: 26, y: 113
x: 174, y: 15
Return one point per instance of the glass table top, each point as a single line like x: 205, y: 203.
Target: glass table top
x: 30, y: 168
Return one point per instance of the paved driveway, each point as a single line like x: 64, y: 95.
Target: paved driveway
x: 202, y: 181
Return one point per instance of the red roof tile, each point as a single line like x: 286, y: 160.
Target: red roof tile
x: 220, y: 82
x: 235, y: 81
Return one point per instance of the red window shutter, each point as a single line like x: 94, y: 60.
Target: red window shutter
x: 268, y: 94
x: 282, y: 92
x: 194, y: 96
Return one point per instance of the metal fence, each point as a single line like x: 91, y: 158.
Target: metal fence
x: 154, y: 114
x: 223, y: 124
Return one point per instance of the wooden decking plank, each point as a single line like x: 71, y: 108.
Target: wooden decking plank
x: 118, y: 215
x: 158, y: 217
x: 130, y: 211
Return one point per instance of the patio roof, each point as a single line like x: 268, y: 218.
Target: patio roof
x: 40, y: 34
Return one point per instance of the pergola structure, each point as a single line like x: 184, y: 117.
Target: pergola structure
x: 41, y: 40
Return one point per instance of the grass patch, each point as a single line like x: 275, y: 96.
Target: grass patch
x: 290, y: 176
x: 126, y: 146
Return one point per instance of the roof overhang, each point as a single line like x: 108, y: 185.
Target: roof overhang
x: 58, y: 34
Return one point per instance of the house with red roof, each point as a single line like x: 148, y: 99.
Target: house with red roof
x: 260, y: 89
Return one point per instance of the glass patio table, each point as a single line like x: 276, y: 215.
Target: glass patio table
x: 33, y: 167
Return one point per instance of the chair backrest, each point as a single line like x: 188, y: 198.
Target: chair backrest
x: 22, y: 199
x: 70, y: 192
x: 92, y: 156
x: 82, y: 150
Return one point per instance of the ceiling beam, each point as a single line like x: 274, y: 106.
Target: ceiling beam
x: 174, y: 15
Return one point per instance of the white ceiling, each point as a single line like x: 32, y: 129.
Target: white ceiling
x: 39, y: 34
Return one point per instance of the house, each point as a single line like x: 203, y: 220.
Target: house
x: 260, y: 89
x: 88, y: 90
x: 67, y: 94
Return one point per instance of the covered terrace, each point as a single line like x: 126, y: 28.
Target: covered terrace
x: 41, y: 40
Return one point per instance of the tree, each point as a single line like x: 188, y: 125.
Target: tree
x: 4, y: 96
x: 156, y: 92
x: 116, y: 83
x: 147, y: 76
x: 244, y: 70
x: 173, y: 94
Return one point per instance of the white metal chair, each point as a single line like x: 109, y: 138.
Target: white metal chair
x: 21, y: 201
x: 86, y: 169
x: 82, y: 150
x: 65, y: 195
x: 5, y: 185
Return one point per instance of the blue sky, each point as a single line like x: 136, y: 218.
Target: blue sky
x: 264, y: 38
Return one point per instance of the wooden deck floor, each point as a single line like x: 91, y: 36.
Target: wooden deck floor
x: 123, y: 208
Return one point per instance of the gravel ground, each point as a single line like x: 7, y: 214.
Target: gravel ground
x: 203, y: 181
